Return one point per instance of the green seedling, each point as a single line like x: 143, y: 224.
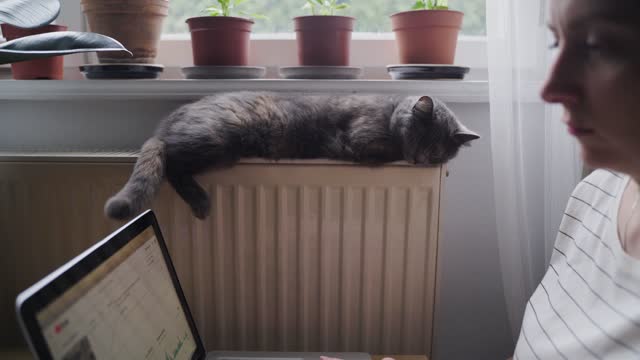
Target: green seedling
x: 431, y: 5
x: 229, y: 7
x: 324, y: 7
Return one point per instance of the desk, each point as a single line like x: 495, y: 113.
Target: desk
x: 15, y: 354
x: 400, y: 357
x: 24, y: 354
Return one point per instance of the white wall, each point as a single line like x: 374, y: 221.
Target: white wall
x: 471, y: 320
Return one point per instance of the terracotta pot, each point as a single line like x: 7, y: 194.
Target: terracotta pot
x: 47, y: 68
x: 220, y: 40
x: 323, y: 40
x: 137, y: 24
x: 427, y: 36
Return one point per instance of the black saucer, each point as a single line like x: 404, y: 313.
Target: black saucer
x: 426, y: 71
x: 121, y: 71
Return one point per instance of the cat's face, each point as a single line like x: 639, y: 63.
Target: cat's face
x: 434, y: 135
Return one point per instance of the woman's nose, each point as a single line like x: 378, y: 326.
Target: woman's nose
x: 563, y: 81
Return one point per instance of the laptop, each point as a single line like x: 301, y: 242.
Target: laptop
x: 121, y: 299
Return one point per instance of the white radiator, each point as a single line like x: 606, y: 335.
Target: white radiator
x: 296, y: 256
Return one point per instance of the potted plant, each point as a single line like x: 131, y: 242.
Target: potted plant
x: 323, y: 38
x: 51, y: 68
x: 428, y: 33
x: 34, y: 47
x: 220, y: 39
x: 135, y: 23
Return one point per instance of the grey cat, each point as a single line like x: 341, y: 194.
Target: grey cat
x: 220, y: 129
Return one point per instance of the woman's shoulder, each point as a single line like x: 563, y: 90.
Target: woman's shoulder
x: 601, y: 182
x: 604, y: 175
x: 596, y: 196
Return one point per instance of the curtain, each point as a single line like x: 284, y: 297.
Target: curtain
x: 536, y: 163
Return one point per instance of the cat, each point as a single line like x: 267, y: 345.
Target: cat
x: 218, y: 130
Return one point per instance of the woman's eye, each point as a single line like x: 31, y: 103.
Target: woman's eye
x: 600, y: 50
x: 553, y: 36
x: 598, y: 44
x: 592, y: 44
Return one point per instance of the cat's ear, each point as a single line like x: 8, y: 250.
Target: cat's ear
x: 463, y: 135
x: 424, y: 107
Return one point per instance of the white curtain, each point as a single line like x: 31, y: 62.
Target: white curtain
x: 536, y: 163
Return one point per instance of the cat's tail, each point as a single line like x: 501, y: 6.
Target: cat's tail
x: 148, y: 174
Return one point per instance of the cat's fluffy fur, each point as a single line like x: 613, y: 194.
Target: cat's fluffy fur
x: 218, y: 130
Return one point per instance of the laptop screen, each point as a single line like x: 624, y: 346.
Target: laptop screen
x: 126, y: 308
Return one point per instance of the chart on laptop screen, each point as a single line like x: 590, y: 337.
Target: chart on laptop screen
x: 127, y: 308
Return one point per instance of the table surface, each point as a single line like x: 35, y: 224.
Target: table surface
x: 24, y: 354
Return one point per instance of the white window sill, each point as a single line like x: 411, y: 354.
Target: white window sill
x: 454, y: 91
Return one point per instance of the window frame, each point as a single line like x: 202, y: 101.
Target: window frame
x: 367, y: 50
x: 372, y: 51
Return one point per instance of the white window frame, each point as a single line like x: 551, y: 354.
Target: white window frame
x: 367, y: 50
x: 372, y: 51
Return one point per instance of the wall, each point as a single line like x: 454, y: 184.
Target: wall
x: 471, y: 320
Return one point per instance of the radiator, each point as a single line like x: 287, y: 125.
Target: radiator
x: 296, y: 256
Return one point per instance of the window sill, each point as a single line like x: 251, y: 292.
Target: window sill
x: 453, y: 91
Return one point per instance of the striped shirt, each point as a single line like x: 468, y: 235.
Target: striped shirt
x: 587, y: 306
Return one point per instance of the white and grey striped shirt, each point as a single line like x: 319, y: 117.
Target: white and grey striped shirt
x: 587, y: 306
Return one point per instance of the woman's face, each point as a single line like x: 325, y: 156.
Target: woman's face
x: 596, y: 77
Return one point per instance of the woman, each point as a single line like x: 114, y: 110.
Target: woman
x: 588, y: 304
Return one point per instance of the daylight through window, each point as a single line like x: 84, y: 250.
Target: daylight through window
x: 372, y: 16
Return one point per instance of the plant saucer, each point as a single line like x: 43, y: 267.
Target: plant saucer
x: 426, y: 71
x: 121, y: 71
x: 320, y: 72
x: 224, y: 72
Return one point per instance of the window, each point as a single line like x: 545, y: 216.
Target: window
x: 372, y: 16
x: 273, y: 42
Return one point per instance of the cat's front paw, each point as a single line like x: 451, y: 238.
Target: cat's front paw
x: 201, y: 208
x: 118, y: 208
